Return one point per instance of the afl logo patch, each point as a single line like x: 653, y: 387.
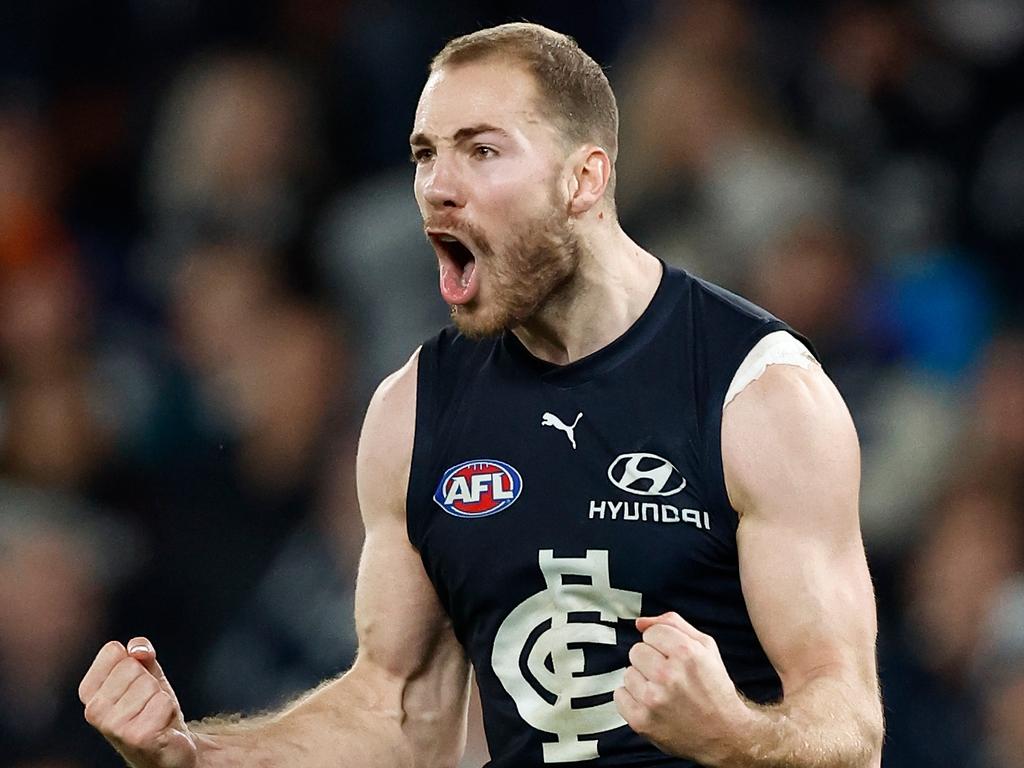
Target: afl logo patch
x: 478, y: 488
x: 646, y: 474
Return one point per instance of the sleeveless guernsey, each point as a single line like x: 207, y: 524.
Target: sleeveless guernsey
x: 551, y: 505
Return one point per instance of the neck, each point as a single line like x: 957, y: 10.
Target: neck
x: 615, y: 281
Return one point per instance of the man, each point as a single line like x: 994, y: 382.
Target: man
x: 629, y: 497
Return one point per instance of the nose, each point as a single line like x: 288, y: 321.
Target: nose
x: 443, y: 188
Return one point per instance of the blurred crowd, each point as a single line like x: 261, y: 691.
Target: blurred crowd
x: 210, y: 253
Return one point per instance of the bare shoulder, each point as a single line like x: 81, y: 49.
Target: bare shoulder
x: 386, y: 443
x: 789, y: 435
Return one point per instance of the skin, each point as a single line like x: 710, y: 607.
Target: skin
x: 791, y: 470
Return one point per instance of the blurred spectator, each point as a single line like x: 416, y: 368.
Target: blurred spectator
x: 1000, y: 679
x: 968, y: 548
x: 707, y: 171
x: 816, y: 276
x: 235, y: 154
x: 29, y: 187
x: 53, y: 430
x: 60, y: 567
x: 267, y: 364
x: 987, y: 31
x: 997, y: 429
x: 998, y: 189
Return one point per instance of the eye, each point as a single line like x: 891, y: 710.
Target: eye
x: 482, y: 151
x: 422, y: 155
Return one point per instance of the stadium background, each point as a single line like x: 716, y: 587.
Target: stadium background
x: 209, y: 254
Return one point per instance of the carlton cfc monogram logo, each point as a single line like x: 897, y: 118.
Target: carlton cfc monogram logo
x: 478, y: 488
x: 559, y: 699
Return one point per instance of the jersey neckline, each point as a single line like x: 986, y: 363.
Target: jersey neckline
x: 613, y: 354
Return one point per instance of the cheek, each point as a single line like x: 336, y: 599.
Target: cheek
x: 517, y: 180
x: 514, y: 201
x: 503, y: 193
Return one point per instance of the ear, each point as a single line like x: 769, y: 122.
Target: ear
x: 590, y: 178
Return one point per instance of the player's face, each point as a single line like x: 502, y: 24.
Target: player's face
x: 490, y: 187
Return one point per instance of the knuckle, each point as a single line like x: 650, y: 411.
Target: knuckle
x: 112, y: 650
x: 128, y: 663
x: 664, y: 675
x: 129, y: 668
x: 654, y: 696
x: 147, y: 684
x: 162, y: 701
x: 662, y: 634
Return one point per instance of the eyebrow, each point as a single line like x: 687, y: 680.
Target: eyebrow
x: 461, y: 135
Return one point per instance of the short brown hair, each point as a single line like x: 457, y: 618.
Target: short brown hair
x: 572, y: 85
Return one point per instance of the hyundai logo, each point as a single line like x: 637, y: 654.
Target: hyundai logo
x: 646, y: 474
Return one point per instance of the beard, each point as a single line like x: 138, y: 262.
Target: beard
x: 530, y: 273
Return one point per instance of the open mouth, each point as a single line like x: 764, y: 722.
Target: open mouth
x: 457, y: 265
x: 457, y: 251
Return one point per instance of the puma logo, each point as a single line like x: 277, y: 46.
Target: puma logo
x: 550, y: 420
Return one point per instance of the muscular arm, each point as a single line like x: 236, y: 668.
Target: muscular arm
x: 792, y: 472
x: 404, y: 701
x: 792, y: 469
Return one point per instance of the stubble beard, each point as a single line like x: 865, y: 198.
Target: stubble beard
x: 529, y: 274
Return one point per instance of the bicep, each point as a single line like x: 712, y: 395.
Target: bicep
x: 792, y: 470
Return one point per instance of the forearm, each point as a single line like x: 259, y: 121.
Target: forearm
x: 329, y: 728
x: 827, y: 723
x: 310, y: 744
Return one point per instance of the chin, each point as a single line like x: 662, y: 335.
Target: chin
x: 477, y: 325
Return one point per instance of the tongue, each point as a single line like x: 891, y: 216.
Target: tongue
x: 459, y: 286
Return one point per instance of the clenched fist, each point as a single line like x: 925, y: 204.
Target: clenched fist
x: 127, y: 699
x: 677, y: 692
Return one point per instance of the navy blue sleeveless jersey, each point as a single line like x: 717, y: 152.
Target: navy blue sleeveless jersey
x: 551, y: 505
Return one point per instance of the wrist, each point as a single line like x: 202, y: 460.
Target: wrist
x: 206, y: 748
x: 740, y: 738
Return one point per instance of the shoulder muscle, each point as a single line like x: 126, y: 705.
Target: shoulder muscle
x: 385, y: 447
x: 789, y: 436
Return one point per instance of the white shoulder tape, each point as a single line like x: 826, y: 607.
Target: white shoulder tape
x: 778, y: 348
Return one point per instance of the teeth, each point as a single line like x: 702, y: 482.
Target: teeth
x: 447, y: 239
